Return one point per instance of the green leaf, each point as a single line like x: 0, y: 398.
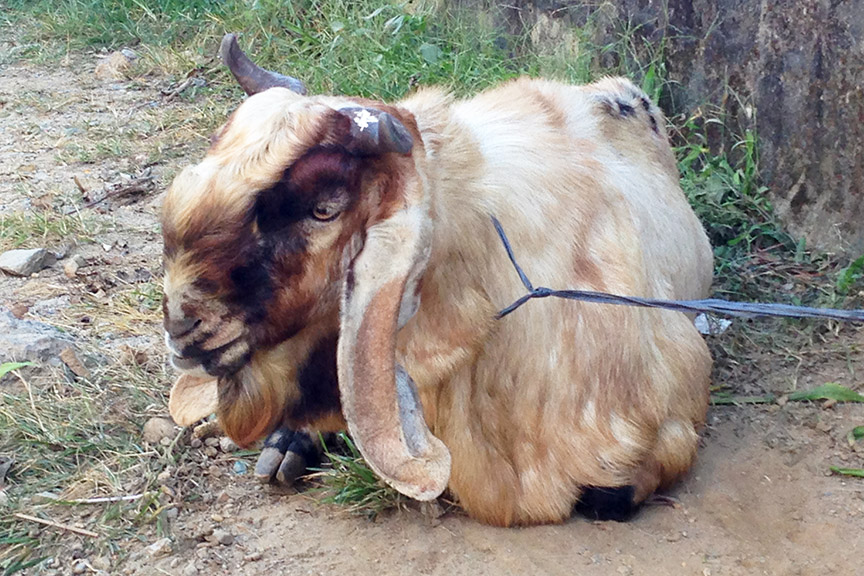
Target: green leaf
x: 430, y: 53
x: 7, y: 367
x: 719, y: 400
x: 849, y: 275
x: 857, y: 472
x: 855, y: 434
x: 829, y: 391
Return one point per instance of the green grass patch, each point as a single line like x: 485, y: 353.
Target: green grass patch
x: 38, y: 228
x: 349, y: 482
x: 367, y: 48
x: 78, y: 438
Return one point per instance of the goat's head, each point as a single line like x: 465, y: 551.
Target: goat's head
x: 307, y: 213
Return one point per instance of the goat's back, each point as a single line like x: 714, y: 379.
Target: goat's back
x: 559, y: 395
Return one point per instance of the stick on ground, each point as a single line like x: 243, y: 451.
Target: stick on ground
x: 55, y: 525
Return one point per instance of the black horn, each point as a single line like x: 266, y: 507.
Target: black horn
x: 376, y: 132
x: 252, y: 78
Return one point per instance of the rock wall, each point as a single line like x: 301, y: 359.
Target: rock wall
x: 794, y: 67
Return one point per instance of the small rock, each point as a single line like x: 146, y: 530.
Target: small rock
x: 156, y: 429
x: 26, y: 262
x: 210, y: 451
x: 22, y: 340
x: 253, y: 557
x: 431, y: 510
x: 71, y: 360
x: 227, y: 445
x: 190, y: 570
x: 204, y: 530
x: 101, y: 563
x: 114, y: 67
x: 217, y: 517
x: 161, y: 547
x: 133, y: 356
x: 19, y: 309
x: 214, y: 471
x: 211, y: 442
x: 206, y: 429
x: 165, y: 475
x: 196, y: 443
x: 79, y: 567
x: 70, y: 268
x: 223, y: 537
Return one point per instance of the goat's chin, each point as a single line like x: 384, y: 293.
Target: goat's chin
x: 189, y: 368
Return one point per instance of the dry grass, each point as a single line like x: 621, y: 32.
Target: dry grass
x: 79, y: 438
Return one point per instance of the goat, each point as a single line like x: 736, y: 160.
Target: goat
x: 331, y: 263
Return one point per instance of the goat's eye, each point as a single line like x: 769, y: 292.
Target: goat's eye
x: 325, y: 212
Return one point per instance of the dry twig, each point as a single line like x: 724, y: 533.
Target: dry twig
x: 53, y: 524
x: 138, y: 185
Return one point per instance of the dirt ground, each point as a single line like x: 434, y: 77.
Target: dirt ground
x: 760, y: 500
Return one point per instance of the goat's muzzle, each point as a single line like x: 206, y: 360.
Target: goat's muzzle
x: 208, y: 343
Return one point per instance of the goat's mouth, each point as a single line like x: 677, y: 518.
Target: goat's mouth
x: 224, y: 360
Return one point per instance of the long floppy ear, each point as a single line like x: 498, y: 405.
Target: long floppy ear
x: 251, y: 77
x: 379, y: 399
x: 192, y: 399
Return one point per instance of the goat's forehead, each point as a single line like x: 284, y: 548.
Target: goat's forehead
x: 261, y: 140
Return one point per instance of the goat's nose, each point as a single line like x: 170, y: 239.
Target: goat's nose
x: 178, y: 327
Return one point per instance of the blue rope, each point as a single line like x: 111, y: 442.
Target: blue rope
x: 710, y: 305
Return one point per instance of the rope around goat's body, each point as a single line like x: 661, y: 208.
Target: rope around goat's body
x: 709, y: 305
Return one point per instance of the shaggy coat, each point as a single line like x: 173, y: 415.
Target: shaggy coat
x: 309, y: 275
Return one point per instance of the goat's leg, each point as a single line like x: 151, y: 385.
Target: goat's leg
x: 671, y: 458
x: 287, y: 454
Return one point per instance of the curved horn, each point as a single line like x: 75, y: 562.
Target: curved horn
x: 379, y: 399
x: 252, y: 78
x: 376, y: 132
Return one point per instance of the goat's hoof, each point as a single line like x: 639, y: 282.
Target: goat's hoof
x: 292, y: 467
x: 268, y: 463
x: 613, y: 503
x: 661, y: 500
x: 286, y: 456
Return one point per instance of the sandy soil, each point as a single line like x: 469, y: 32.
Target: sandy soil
x: 760, y: 500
